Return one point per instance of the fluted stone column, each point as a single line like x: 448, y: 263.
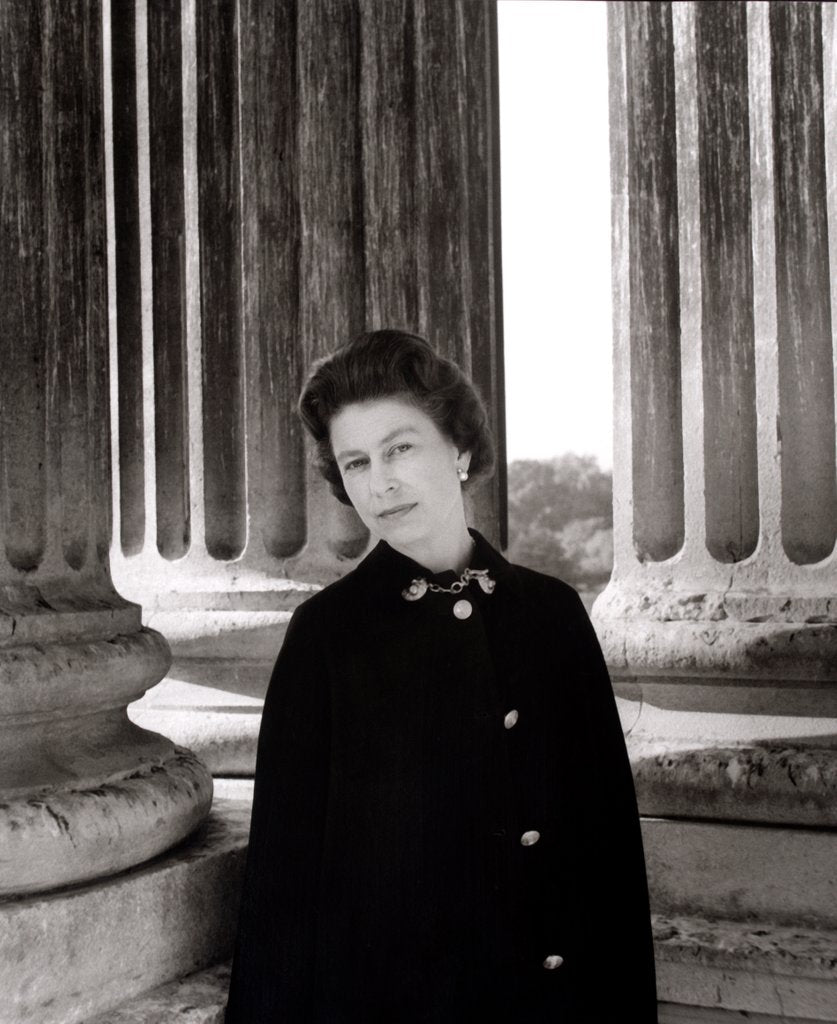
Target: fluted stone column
x: 286, y: 175
x: 83, y: 791
x: 720, y: 621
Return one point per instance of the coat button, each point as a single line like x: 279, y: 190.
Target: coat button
x: 553, y: 961
x: 530, y: 838
x: 510, y: 719
x: 462, y: 609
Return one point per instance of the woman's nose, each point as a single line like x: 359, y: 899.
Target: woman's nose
x: 380, y: 477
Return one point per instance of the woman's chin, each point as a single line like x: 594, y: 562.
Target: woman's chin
x: 401, y: 534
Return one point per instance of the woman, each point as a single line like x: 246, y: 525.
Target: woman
x: 444, y: 824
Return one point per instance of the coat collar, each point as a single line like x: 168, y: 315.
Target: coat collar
x: 385, y: 573
x: 393, y: 571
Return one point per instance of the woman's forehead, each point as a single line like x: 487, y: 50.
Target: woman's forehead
x: 376, y: 422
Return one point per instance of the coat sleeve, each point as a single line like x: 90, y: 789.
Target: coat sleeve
x: 272, y: 974
x: 616, y: 935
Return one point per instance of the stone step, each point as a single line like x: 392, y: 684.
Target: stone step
x: 199, y: 998
x: 113, y: 944
x: 786, y: 974
x: 706, y: 971
x: 741, y: 871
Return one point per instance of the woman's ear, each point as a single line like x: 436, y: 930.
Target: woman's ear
x: 463, y: 461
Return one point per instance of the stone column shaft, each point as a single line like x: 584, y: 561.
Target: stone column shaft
x: 321, y: 176
x: 83, y: 791
x: 720, y: 621
x: 735, y: 613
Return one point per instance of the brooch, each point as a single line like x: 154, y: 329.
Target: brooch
x: 419, y: 587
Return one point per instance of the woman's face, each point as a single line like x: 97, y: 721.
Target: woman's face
x: 400, y: 472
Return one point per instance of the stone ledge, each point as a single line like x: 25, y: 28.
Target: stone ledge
x: 68, y: 955
x: 783, y: 973
x: 775, y: 784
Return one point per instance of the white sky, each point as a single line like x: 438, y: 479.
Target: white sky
x: 556, y: 227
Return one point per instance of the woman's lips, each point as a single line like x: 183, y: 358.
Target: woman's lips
x: 396, y: 512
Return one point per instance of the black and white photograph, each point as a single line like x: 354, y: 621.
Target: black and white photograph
x: 418, y: 506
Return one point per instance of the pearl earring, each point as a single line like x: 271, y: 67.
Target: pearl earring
x: 462, y: 474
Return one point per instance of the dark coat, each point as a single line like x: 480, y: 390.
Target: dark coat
x: 386, y: 879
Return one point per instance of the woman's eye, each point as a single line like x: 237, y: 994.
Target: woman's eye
x: 354, y: 464
x: 399, y: 449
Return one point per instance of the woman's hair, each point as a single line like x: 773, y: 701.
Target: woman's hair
x: 389, y: 364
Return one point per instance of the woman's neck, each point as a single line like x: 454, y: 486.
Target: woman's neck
x: 443, y: 553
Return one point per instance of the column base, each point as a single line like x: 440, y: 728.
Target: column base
x: 84, y: 793
x: 212, y: 697
x: 69, y: 955
x: 62, y: 836
x: 728, y: 700
x: 651, y: 629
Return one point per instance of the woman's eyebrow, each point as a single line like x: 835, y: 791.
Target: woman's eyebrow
x: 394, y: 433
x: 384, y: 440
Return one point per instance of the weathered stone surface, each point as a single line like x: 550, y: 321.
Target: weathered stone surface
x: 771, y: 785
x: 727, y: 650
x: 105, y: 670
x: 784, y: 973
x: 742, y: 872
x: 68, y: 955
x: 331, y: 116
x: 55, y: 835
x: 196, y: 999
x: 674, y: 1013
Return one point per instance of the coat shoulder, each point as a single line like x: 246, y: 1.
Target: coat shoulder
x: 333, y: 601
x: 542, y: 587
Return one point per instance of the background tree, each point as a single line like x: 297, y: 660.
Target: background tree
x: 561, y: 518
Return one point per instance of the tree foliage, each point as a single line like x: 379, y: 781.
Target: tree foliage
x: 561, y: 518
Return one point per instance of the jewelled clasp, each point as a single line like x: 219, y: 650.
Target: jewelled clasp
x: 419, y: 587
x: 486, y: 583
x: 416, y: 590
